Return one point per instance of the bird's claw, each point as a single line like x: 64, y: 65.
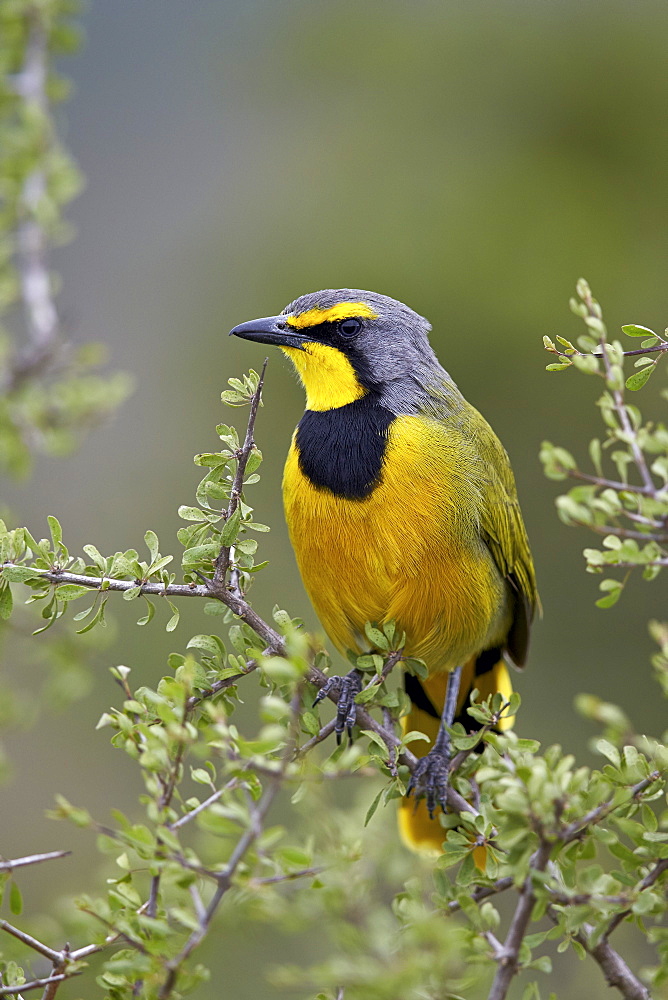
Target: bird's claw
x: 430, y: 780
x: 345, y: 689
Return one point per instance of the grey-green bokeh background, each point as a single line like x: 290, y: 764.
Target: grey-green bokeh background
x: 472, y: 159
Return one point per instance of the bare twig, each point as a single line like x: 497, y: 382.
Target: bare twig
x: 224, y: 882
x: 32, y: 859
x: 508, y: 957
x: 577, y: 828
x: 289, y: 877
x: 30, y: 941
x: 187, y: 817
x: 482, y: 892
x: 652, y: 876
x: 223, y: 560
x: 396, y: 656
x: 566, y: 355
x: 620, y: 406
x: 34, y: 984
x: 613, y: 484
x: 613, y: 529
x: 58, y: 576
x: 614, y: 968
x: 324, y: 732
x: 59, y: 969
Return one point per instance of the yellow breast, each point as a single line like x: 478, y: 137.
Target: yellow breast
x: 410, y: 551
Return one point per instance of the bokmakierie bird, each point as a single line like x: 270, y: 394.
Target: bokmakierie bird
x: 401, y: 505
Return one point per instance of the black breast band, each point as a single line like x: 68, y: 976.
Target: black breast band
x: 342, y: 450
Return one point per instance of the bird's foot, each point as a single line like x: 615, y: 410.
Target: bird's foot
x: 345, y: 689
x: 430, y: 780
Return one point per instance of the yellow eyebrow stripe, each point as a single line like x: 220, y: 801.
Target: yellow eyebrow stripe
x: 344, y: 310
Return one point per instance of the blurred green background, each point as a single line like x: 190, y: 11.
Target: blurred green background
x: 472, y: 159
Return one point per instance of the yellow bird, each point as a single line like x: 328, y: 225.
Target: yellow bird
x: 401, y: 505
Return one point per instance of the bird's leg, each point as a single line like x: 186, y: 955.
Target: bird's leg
x: 345, y: 689
x: 430, y: 777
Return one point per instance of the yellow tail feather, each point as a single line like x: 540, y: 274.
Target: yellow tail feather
x: 418, y: 831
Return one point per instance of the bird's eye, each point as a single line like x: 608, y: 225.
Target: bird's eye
x: 350, y: 327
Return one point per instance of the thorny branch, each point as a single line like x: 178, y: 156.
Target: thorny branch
x: 508, y: 956
x: 617, y: 973
x: 223, y: 560
x: 615, y: 970
x: 224, y: 878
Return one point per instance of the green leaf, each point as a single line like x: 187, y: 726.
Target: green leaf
x: 631, y: 330
x: 174, y: 620
x: 375, y: 738
x: 376, y: 637
x: 201, y: 553
x: 209, y: 644
x: 191, y: 514
x: 417, y: 667
x: 532, y: 746
x: 231, y: 527
x: 372, y: 808
x: 152, y: 544
x: 465, y: 742
x: 97, y: 617
x: 159, y: 564
x: 5, y: 601
x: 254, y: 461
x: 610, y: 599
x: 609, y: 750
x: 19, y: 574
x: 639, y: 378
x: 247, y: 546
x: 96, y: 557
x: 83, y: 614
x: 200, y: 775
x: 367, y: 695
x: 150, y: 611
x: 15, y: 898
x: 70, y: 591
x: 412, y: 736
x: 56, y: 531
x: 210, y: 459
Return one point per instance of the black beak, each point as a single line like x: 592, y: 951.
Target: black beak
x: 270, y: 330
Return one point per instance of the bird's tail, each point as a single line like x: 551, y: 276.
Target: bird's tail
x: 488, y: 673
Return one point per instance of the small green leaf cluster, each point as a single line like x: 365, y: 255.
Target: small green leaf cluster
x: 625, y: 495
x: 27, y: 136
x: 219, y: 524
x: 208, y: 786
x: 601, y: 836
x: 51, y: 413
x: 50, y: 394
x: 42, y: 565
x: 216, y: 532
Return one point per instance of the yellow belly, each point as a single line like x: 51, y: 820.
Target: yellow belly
x: 410, y: 552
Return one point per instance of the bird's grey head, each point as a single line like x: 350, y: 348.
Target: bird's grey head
x: 385, y: 342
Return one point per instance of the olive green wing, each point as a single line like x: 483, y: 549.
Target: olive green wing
x: 503, y: 531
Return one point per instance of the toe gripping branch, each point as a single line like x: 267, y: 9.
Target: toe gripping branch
x: 430, y: 778
x: 345, y: 689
